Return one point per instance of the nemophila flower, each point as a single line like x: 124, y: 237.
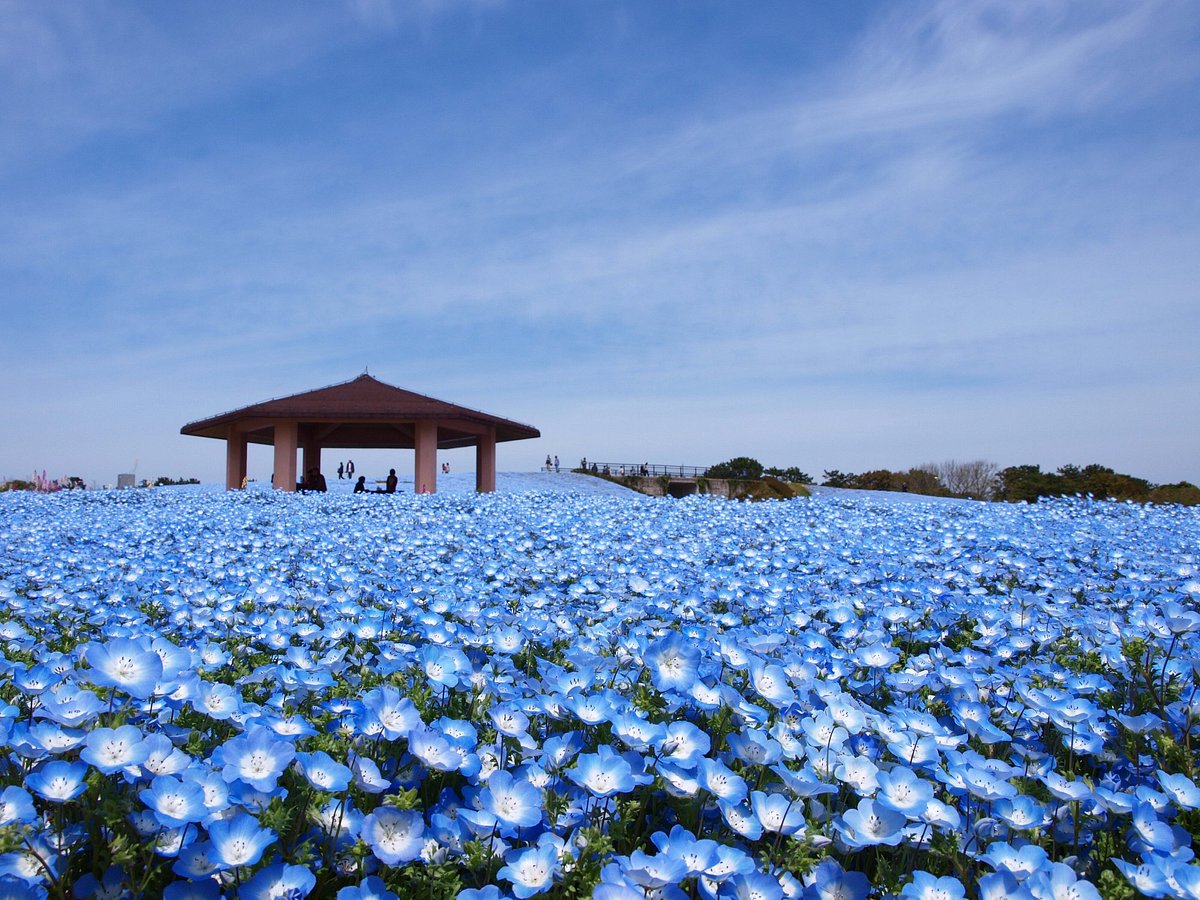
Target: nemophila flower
x: 1021, y: 812
x: 829, y: 881
x: 70, y: 706
x: 387, y: 712
x: 1019, y: 861
x: 112, y: 886
x: 512, y: 801
x: 803, y: 782
x: 394, y: 835
x: 531, y: 870
x: 770, y: 682
x: 110, y: 750
x: 1059, y: 882
x: 750, y: 886
x: 195, y: 861
x: 638, y: 733
x: 192, y: 890
x: 163, y: 757
x: 367, y: 775
x: 279, y: 882
x: 433, y: 750
x: 372, y: 888
x: 697, y: 856
x: 443, y: 666
x: 684, y: 743
x: 257, y: 757
x: 673, y: 662
x: 1150, y: 830
x: 901, y: 789
x: 28, y: 866
x: 217, y: 700
x: 603, y: 773
x: 754, y: 747
x: 1181, y: 789
x: 778, y: 813
x: 124, y: 664
x: 721, y: 781
x: 858, y: 772
x: 870, y: 825
x: 16, y: 806
x: 175, y: 803
x: 742, y: 819
x: 239, y: 841
x: 925, y: 886
x: 509, y: 720
x: 58, y: 780
x: 324, y: 772
x: 654, y: 872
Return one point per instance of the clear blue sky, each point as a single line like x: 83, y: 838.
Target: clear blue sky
x: 834, y: 235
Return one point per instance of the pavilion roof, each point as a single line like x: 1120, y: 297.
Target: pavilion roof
x: 371, y: 411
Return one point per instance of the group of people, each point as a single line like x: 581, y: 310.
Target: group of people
x: 389, y: 485
x: 551, y: 464
x: 346, y: 469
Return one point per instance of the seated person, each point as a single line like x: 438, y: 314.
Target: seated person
x: 360, y: 486
x: 314, y: 481
x: 392, y: 481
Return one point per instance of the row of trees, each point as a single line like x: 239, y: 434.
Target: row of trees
x: 980, y: 480
x: 983, y: 480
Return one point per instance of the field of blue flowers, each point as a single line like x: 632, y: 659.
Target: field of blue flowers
x: 258, y: 695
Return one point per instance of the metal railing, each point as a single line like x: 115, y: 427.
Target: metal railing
x: 644, y: 469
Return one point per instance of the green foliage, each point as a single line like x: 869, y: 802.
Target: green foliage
x: 1184, y: 493
x: 740, y: 467
x: 164, y: 481
x: 791, y: 473
x: 1029, y: 483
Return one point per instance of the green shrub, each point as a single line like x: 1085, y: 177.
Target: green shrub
x: 740, y: 467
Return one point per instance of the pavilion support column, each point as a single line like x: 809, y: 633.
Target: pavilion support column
x: 235, y: 460
x: 285, y: 456
x: 485, y: 462
x: 311, y: 456
x: 425, y: 466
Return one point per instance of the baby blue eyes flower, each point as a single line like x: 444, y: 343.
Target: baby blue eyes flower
x: 514, y: 802
x: 124, y: 664
x: 239, y: 841
x: 324, y: 772
x: 925, y: 886
x: 175, y: 803
x: 778, y: 813
x: 388, y: 712
x: 58, y: 780
x: 258, y: 758
x: 279, y: 882
x: 902, y: 790
x: 395, y: 836
x: 673, y: 662
x: 530, y: 871
x: 370, y: 888
x: 870, y: 825
x: 603, y: 773
x: 110, y: 750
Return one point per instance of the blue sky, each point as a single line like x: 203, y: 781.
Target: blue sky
x: 832, y: 235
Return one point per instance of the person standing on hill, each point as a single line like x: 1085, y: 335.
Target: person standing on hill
x: 350, y: 468
x: 341, y: 471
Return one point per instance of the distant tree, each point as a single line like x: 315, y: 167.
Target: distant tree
x: 834, y: 478
x: 740, y: 467
x: 978, y: 479
x: 790, y: 474
x: 1027, y: 483
x: 1184, y: 493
